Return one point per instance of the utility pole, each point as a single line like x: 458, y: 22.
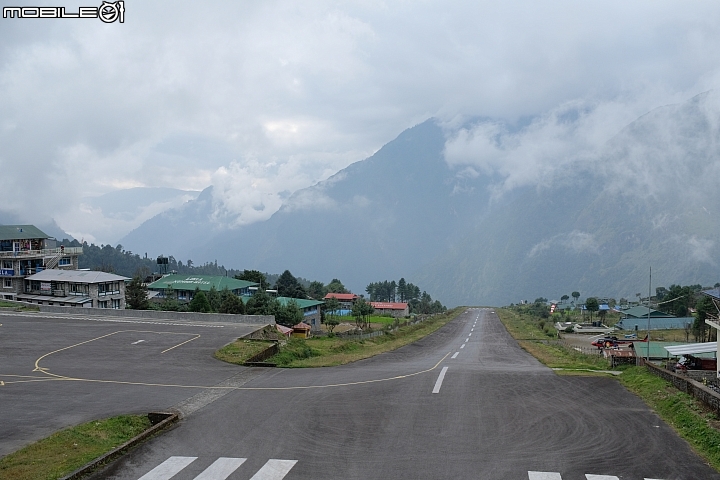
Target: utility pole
x: 648, y: 305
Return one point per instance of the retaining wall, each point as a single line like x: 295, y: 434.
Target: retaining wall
x: 688, y: 385
x: 156, y: 314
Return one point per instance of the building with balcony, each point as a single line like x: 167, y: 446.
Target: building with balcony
x: 25, y: 250
x: 75, y: 288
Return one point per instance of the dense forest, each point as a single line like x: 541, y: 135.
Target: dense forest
x: 116, y: 260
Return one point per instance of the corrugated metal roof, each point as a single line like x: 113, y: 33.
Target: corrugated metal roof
x: 21, y: 232
x: 713, y: 292
x: 692, y: 348
x: 202, y: 282
x: 78, y: 276
x: 341, y: 296
x: 639, y: 312
x: 48, y: 298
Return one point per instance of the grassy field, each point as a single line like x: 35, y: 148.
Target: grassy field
x: 538, y: 339
x: 330, y: 351
x: 690, y: 418
x: 67, y: 450
x: 240, y: 351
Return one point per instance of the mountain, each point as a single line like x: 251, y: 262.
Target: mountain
x: 648, y: 197
x: 129, y: 203
x: 49, y: 227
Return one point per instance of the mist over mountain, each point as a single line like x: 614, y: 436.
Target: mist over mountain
x: 486, y: 213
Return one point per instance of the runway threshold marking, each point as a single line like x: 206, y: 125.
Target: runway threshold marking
x: 221, y: 468
x: 440, y: 379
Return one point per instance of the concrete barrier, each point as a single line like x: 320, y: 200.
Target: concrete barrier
x: 155, y: 314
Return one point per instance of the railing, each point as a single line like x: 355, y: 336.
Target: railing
x: 43, y: 252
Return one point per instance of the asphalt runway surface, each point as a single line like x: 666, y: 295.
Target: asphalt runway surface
x: 58, y: 370
x: 465, y: 402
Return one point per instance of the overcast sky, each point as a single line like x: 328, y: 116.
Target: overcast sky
x: 263, y: 98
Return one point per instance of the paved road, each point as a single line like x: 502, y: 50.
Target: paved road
x: 60, y: 370
x: 465, y: 403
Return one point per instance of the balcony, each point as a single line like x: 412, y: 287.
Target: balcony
x: 46, y: 252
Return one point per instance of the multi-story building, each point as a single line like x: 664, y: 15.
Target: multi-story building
x: 75, y: 288
x: 25, y: 250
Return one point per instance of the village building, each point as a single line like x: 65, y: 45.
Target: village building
x: 183, y: 286
x: 346, y: 300
x: 396, y: 309
x: 75, y: 288
x: 26, y: 250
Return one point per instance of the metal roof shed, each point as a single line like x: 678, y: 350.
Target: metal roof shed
x: 692, y: 348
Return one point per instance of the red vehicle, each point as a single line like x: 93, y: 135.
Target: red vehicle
x: 611, y: 342
x: 689, y: 362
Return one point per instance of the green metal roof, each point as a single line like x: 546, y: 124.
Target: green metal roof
x: 202, y: 282
x: 302, y: 303
x: 21, y: 232
x: 640, y: 312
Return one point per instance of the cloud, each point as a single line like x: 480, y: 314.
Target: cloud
x: 282, y: 95
x: 576, y: 241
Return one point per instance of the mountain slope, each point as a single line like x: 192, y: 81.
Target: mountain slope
x: 647, y: 198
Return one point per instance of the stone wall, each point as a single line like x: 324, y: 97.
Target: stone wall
x: 689, y: 386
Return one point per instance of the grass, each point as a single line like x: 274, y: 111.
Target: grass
x: 333, y: 350
x: 4, y: 304
x: 240, y: 351
x: 67, y: 450
x: 539, y: 342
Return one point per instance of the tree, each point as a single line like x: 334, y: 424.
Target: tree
x: 136, y: 295
x: 361, y: 310
x: 230, y: 303
x: 199, y: 303
x: 704, y: 309
x: 402, y: 289
x: 332, y: 305
x: 213, y: 297
x: 261, y: 304
x: 288, y: 286
x: 336, y: 286
x: 575, y: 296
x: 288, y: 314
x: 254, y: 276
x: 592, y: 305
x: 170, y: 303
x: 563, y: 298
x: 317, y: 290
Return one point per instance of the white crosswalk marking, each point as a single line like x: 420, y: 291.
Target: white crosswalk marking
x: 274, y: 470
x: 221, y: 468
x: 544, y: 476
x: 556, y: 476
x: 168, y: 469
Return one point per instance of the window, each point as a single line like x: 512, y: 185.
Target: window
x: 64, y: 262
x: 103, y: 304
x: 116, y: 303
x: 7, y: 264
x: 7, y: 283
